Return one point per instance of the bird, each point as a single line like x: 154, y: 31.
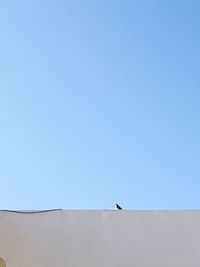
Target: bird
x: 117, y: 207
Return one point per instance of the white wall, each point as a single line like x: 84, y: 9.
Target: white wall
x: 101, y: 238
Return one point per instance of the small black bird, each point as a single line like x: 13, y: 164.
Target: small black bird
x: 117, y: 207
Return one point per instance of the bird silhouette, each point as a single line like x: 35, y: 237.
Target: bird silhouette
x: 117, y: 207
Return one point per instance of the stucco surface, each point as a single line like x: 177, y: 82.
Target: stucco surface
x: 101, y: 239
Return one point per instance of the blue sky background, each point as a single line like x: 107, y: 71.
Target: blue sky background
x: 100, y: 103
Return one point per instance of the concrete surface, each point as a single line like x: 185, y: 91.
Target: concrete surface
x: 100, y: 239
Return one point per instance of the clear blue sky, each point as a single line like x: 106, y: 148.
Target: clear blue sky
x: 100, y: 103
